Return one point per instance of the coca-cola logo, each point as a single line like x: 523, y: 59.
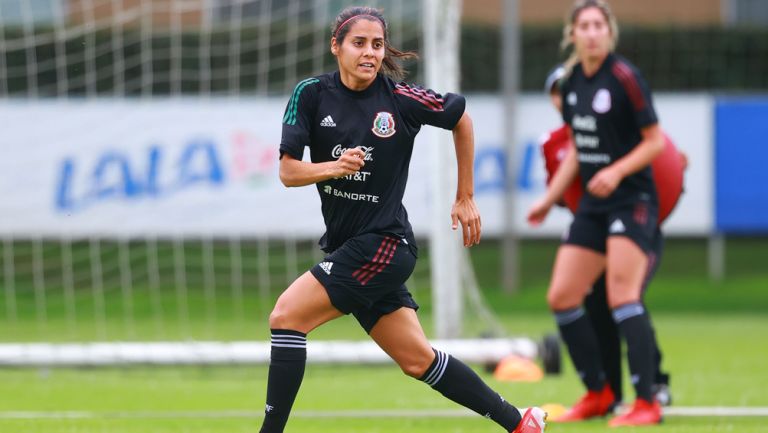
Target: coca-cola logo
x: 338, y: 151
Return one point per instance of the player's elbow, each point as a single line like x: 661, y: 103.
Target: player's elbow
x: 656, y: 141
x: 287, y: 174
x: 288, y: 180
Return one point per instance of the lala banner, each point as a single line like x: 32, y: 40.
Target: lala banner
x: 189, y: 167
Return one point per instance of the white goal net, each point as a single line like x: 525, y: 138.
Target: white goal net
x: 109, y: 278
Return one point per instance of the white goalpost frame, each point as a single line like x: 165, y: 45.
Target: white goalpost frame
x: 441, y: 21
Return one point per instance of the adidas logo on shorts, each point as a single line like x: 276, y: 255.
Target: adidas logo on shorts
x: 617, y: 227
x: 326, y: 266
x: 328, y: 122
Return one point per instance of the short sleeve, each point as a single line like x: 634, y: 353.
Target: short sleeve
x: 638, y: 93
x: 297, y: 119
x: 427, y: 107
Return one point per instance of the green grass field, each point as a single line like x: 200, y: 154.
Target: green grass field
x: 715, y: 360
x: 712, y: 335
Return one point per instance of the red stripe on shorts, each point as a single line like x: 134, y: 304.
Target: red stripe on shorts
x: 383, y: 265
x: 361, y: 273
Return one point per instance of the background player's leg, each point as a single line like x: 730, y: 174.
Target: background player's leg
x: 576, y: 269
x: 401, y: 336
x: 607, y: 332
x: 627, y: 266
x: 661, y: 382
x: 301, y: 308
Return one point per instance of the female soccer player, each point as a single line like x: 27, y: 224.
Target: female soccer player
x: 359, y: 125
x: 616, y: 136
x: 668, y: 170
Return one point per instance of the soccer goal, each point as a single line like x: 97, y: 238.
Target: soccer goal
x: 142, y: 140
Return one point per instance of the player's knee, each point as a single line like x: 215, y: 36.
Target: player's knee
x: 416, y: 364
x: 280, y: 318
x: 558, y: 300
x: 415, y: 368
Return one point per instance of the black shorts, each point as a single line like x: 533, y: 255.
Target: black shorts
x: 366, y: 276
x: 637, y: 221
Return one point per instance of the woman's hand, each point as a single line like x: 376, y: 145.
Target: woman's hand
x: 350, y: 162
x: 465, y: 211
x: 539, y: 211
x: 604, y: 182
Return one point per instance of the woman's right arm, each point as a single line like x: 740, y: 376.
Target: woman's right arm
x: 565, y: 174
x: 294, y: 172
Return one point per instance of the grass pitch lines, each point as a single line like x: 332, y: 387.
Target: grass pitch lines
x: 700, y: 411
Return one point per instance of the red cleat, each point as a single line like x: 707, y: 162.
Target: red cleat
x: 642, y: 413
x: 533, y: 421
x: 593, y: 404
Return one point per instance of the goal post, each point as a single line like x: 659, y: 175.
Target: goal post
x: 442, y: 20
x: 120, y: 115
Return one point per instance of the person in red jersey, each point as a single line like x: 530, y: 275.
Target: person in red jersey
x: 360, y: 125
x: 609, y: 110
x: 668, y: 171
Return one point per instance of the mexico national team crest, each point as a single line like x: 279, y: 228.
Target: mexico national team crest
x: 602, y: 102
x: 384, y: 125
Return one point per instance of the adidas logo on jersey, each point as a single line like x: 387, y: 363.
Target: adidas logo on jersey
x: 326, y: 266
x: 328, y: 122
x: 617, y: 227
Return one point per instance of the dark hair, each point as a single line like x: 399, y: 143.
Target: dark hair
x: 390, y: 66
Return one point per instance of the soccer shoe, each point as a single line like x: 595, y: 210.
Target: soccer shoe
x: 662, y: 394
x: 534, y: 421
x: 591, y: 405
x: 642, y: 413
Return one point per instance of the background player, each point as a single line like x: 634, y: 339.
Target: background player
x: 360, y: 127
x: 667, y: 172
x: 616, y: 135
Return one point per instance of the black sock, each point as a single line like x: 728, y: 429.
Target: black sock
x: 636, y: 329
x: 607, y: 333
x: 579, y: 337
x: 286, y: 370
x: 456, y: 381
x: 660, y: 376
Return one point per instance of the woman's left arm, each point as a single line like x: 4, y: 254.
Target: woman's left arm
x: 605, y: 181
x: 464, y: 209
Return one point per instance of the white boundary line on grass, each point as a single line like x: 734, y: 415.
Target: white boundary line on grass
x: 718, y: 411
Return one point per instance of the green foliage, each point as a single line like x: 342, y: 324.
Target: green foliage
x: 671, y: 58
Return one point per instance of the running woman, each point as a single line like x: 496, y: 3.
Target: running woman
x: 359, y: 124
x: 616, y: 136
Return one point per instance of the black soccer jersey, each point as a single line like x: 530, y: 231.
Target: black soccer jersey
x: 606, y: 113
x: 383, y: 120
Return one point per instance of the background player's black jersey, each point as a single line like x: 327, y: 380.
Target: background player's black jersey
x: 383, y: 120
x: 606, y: 113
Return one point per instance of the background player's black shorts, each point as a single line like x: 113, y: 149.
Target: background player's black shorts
x: 366, y: 276
x: 637, y: 221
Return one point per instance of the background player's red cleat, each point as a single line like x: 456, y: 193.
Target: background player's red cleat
x: 591, y: 405
x: 642, y: 413
x: 534, y: 421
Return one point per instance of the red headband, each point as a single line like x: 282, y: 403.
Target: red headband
x: 341, y: 26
